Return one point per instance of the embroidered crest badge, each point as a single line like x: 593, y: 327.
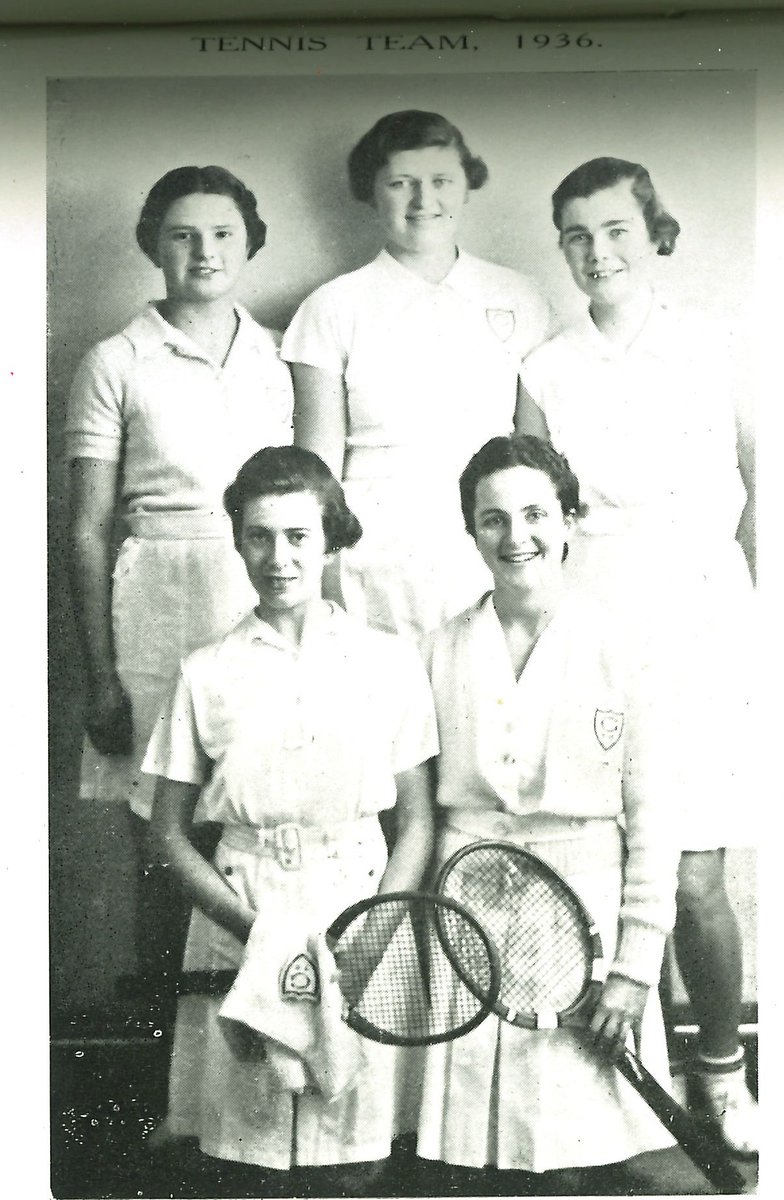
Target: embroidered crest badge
x: 501, y: 322
x: 299, y: 979
x: 608, y: 727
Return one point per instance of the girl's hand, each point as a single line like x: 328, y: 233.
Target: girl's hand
x: 617, y: 1014
x: 109, y: 720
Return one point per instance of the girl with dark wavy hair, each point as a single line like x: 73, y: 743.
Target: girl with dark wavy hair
x: 293, y: 732
x: 160, y: 417
x: 638, y: 396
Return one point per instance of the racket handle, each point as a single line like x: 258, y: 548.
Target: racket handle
x: 705, y: 1149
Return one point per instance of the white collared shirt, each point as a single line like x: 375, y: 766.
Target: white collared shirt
x: 648, y: 429
x: 314, y: 735
x: 426, y: 365
x: 180, y: 423
x: 583, y: 734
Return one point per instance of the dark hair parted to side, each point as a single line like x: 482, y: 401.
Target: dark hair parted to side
x: 189, y: 181
x: 520, y: 450
x: 411, y: 129
x: 279, y: 470
x: 601, y: 173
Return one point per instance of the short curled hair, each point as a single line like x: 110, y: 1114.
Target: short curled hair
x: 411, y: 129
x: 280, y: 470
x: 189, y: 181
x: 601, y: 173
x: 520, y: 450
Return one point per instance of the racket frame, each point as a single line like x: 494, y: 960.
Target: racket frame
x: 486, y: 997
x: 701, y: 1145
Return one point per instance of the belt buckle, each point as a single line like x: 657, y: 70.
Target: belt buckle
x: 288, y: 846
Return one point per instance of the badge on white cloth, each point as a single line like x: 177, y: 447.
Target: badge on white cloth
x: 286, y: 993
x: 608, y: 727
x: 501, y: 322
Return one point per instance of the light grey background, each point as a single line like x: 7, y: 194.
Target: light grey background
x: 287, y: 138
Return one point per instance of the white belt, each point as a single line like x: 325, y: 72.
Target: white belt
x: 179, y: 525
x: 570, y: 845
x: 290, y: 843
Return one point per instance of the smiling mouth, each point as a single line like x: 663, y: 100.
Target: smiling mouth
x: 604, y: 274
x: 520, y: 559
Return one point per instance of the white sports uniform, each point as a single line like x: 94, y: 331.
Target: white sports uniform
x: 650, y: 433
x: 296, y: 753
x: 551, y: 761
x: 180, y: 426
x: 430, y: 372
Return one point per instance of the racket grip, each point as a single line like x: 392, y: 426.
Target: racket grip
x: 701, y: 1145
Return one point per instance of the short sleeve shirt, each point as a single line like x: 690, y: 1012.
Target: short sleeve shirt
x: 181, y: 424
x: 424, y: 363
x: 314, y: 735
x: 648, y: 427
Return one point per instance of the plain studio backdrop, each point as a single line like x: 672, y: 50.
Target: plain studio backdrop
x: 287, y: 138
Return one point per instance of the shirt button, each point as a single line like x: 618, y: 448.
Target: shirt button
x: 508, y: 760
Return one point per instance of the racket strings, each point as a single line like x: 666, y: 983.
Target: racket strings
x: 543, y: 945
x: 413, y: 971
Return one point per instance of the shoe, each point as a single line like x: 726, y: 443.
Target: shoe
x: 731, y: 1107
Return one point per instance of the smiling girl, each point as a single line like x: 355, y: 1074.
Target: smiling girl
x: 637, y: 395
x: 293, y: 732
x: 160, y: 418
x: 403, y: 367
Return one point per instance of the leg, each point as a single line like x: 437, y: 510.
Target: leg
x: 708, y: 949
x: 709, y: 953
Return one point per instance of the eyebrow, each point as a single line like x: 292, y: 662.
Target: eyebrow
x: 504, y: 512
x: 186, y: 225
x: 604, y: 225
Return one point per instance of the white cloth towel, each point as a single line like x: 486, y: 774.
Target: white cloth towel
x: 285, y: 1006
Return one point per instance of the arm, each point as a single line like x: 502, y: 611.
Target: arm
x: 91, y: 520
x: 320, y: 425
x: 529, y: 418
x: 651, y: 862
x: 413, y: 843
x: 171, y: 847
x: 320, y: 417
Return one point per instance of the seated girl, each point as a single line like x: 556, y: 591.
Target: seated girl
x: 547, y: 740
x: 294, y: 731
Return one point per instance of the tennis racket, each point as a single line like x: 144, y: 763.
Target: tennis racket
x: 414, y: 969
x: 552, y: 971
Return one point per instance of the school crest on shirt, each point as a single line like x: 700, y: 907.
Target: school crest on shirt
x: 299, y: 979
x: 608, y: 727
x: 501, y: 322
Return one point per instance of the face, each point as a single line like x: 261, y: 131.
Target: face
x: 607, y: 245
x: 202, y: 247
x: 520, y: 529
x: 419, y: 197
x: 282, y: 546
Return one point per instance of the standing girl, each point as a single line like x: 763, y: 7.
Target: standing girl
x: 160, y: 418
x: 293, y: 732
x: 403, y: 367
x: 637, y: 396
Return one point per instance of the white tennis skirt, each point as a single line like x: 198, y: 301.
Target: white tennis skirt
x: 540, y: 1100
x: 178, y: 584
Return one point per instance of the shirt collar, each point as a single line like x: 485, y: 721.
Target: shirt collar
x: 654, y: 338
x: 461, y: 278
x: 328, y: 620
x: 149, y: 333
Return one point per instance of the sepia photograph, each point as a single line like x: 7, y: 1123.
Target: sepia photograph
x: 405, y: 750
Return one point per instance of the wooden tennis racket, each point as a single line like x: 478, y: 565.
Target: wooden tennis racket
x: 414, y: 969
x: 552, y: 971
